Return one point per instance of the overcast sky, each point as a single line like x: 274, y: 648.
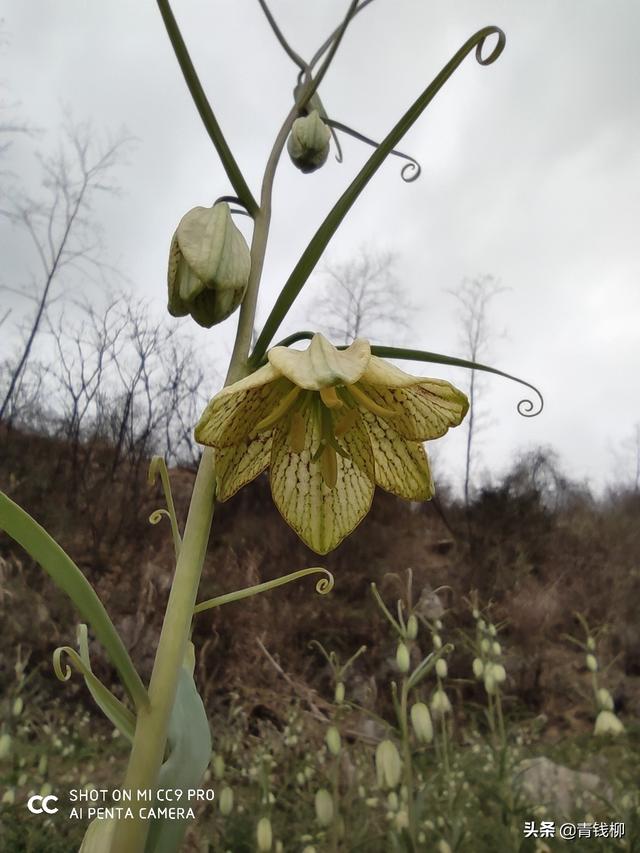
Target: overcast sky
x: 531, y: 173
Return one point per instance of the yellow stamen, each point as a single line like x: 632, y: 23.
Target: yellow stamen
x: 329, y: 467
x: 369, y: 404
x: 280, y: 410
x: 297, y: 433
x: 346, y: 422
x: 330, y: 398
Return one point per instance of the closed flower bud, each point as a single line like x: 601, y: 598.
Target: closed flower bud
x: 392, y: 801
x: 592, y: 663
x: 9, y: 797
x: 478, y: 668
x: 496, y: 648
x: 225, y: 801
x: 441, y: 668
x: 403, y: 661
x: 492, y: 630
x: 339, y: 693
x: 499, y: 673
x: 324, y: 807
x: 45, y: 790
x: 485, y: 645
x: 264, y: 836
x: 18, y: 705
x: 218, y: 766
x: 608, y: 724
x: 333, y: 741
x: 5, y: 746
x: 437, y: 641
x: 591, y: 644
x: 444, y: 846
x: 490, y: 684
x: 402, y: 820
x: 308, y: 143
x: 605, y: 700
x: 412, y: 627
x: 209, y: 264
x: 388, y: 765
x: 42, y: 765
x: 421, y: 722
x: 440, y: 704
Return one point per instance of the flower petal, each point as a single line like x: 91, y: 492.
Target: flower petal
x: 321, y: 516
x: 402, y: 466
x: 321, y: 364
x: 424, y: 410
x: 233, y: 413
x: 236, y: 466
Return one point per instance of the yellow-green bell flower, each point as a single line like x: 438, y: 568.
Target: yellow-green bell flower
x: 330, y: 425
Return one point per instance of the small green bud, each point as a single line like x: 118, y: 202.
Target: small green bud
x: 333, y: 740
x: 478, y: 668
x: 225, y: 801
x: 437, y: 641
x: 592, y: 663
x: 217, y: 764
x: 485, y: 645
x: 45, y: 790
x: 605, y: 700
x: 608, y: 724
x: 339, y: 693
x: 209, y: 265
x: 18, y: 706
x: 324, y: 807
x: 490, y: 684
x: 402, y: 820
x: 5, y: 746
x: 412, y: 627
x: 308, y: 143
x: 499, y: 673
x: 496, y: 648
x: 421, y: 722
x: 444, y: 846
x: 440, y: 704
x: 9, y: 797
x: 403, y: 661
x: 392, y: 801
x: 475, y: 613
x: 492, y: 630
x: 264, y: 836
x: 388, y: 765
x: 42, y: 765
x: 591, y: 644
x: 441, y: 668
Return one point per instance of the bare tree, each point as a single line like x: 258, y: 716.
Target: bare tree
x: 362, y: 296
x: 475, y: 297
x: 60, y: 226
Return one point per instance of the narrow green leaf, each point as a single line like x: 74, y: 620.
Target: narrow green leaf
x: 68, y: 577
x: 114, y: 710
x: 204, y: 109
x: 323, y: 235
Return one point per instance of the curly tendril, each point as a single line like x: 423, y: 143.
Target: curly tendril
x: 409, y: 172
x: 323, y: 586
x: 158, y: 466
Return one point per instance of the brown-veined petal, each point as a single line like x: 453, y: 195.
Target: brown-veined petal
x: 238, y: 465
x: 321, y: 365
x: 233, y: 413
x: 422, y: 411
x: 321, y: 516
x: 401, y: 466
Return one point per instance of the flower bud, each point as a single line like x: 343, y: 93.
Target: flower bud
x: 412, y: 627
x: 225, y: 801
x: 308, y: 143
x: 5, y: 746
x: 478, y: 668
x: 264, y: 836
x: 605, y: 700
x: 437, y: 641
x: 403, y: 661
x: 421, y: 722
x: 388, y: 765
x: 324, y: 807
x: 9, y: 797
x: 492, y: 630
x: 43, y: 764
x: 402, y: 820
x: 217, y: 764
x: 441, y: 668
x: 608, y: 724
x: 18, y: 706
x: 592, y: 663
x: 485, y: 645
x: 339, y: 693
x: 440, y: 704
x: 499, y: 673
x: 333, y: 741
x: 209, y: 264
x: 591, y: 644
x: 392, y: 801
x: 496, y: 648
x: 444, y: 846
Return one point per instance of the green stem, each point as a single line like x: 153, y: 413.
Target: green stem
x: 407, y: 766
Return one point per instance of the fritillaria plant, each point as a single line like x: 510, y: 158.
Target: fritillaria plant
x: 329, y: 423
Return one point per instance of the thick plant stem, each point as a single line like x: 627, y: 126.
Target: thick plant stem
x: 152, y: 724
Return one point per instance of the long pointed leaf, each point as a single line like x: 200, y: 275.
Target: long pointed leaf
x: 68, y: 577
x: 316, y: 247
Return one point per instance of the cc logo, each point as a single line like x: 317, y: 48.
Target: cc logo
x: 33, y: 807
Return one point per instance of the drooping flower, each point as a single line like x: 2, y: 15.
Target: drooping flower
x: 330, y: 425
